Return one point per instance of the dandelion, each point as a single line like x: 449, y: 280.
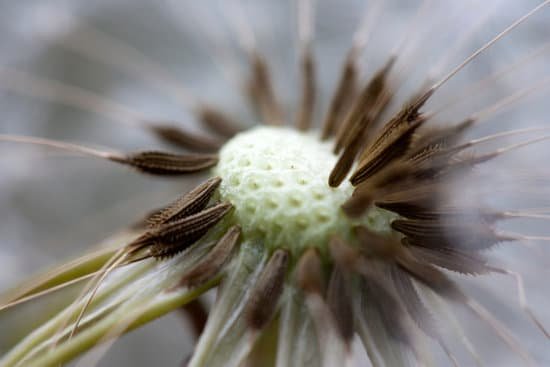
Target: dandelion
x: 313, y: 235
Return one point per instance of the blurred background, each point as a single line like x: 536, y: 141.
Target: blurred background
x: 55, y: 206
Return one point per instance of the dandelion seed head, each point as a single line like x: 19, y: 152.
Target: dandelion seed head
x: 276, y: 178
x: 352, y: 217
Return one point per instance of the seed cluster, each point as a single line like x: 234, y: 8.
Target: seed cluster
x: 276, y: 178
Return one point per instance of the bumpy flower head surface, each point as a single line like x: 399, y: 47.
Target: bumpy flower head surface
x: 276, y: 178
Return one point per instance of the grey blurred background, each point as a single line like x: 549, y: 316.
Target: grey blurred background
x: 53, y: 206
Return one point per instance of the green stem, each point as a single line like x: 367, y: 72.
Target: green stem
x: 48, y: 330
x: 129, y: 315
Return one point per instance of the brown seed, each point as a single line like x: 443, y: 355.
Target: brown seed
x: 167, y: 164
x: 434, y: 139
x: 357, y: 204
x: 189, y: 203
x: 339, y: 298
x: 305, y: 113
x: 174, y: 237
x: 342, y: 254
x: 212, y: 263
x: 389, y: 146
x: 411, y: 200
x: 345, y: 162
x: 265, y: 295
x: 380, y: 247
x: 261, y: 93
x: 180, y: 138
x: 368, y: 105
x: 217, y: 121
x: 393, y: 141
x: 342, y: 98
x: 309, y: 273
x: 396, y: 177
